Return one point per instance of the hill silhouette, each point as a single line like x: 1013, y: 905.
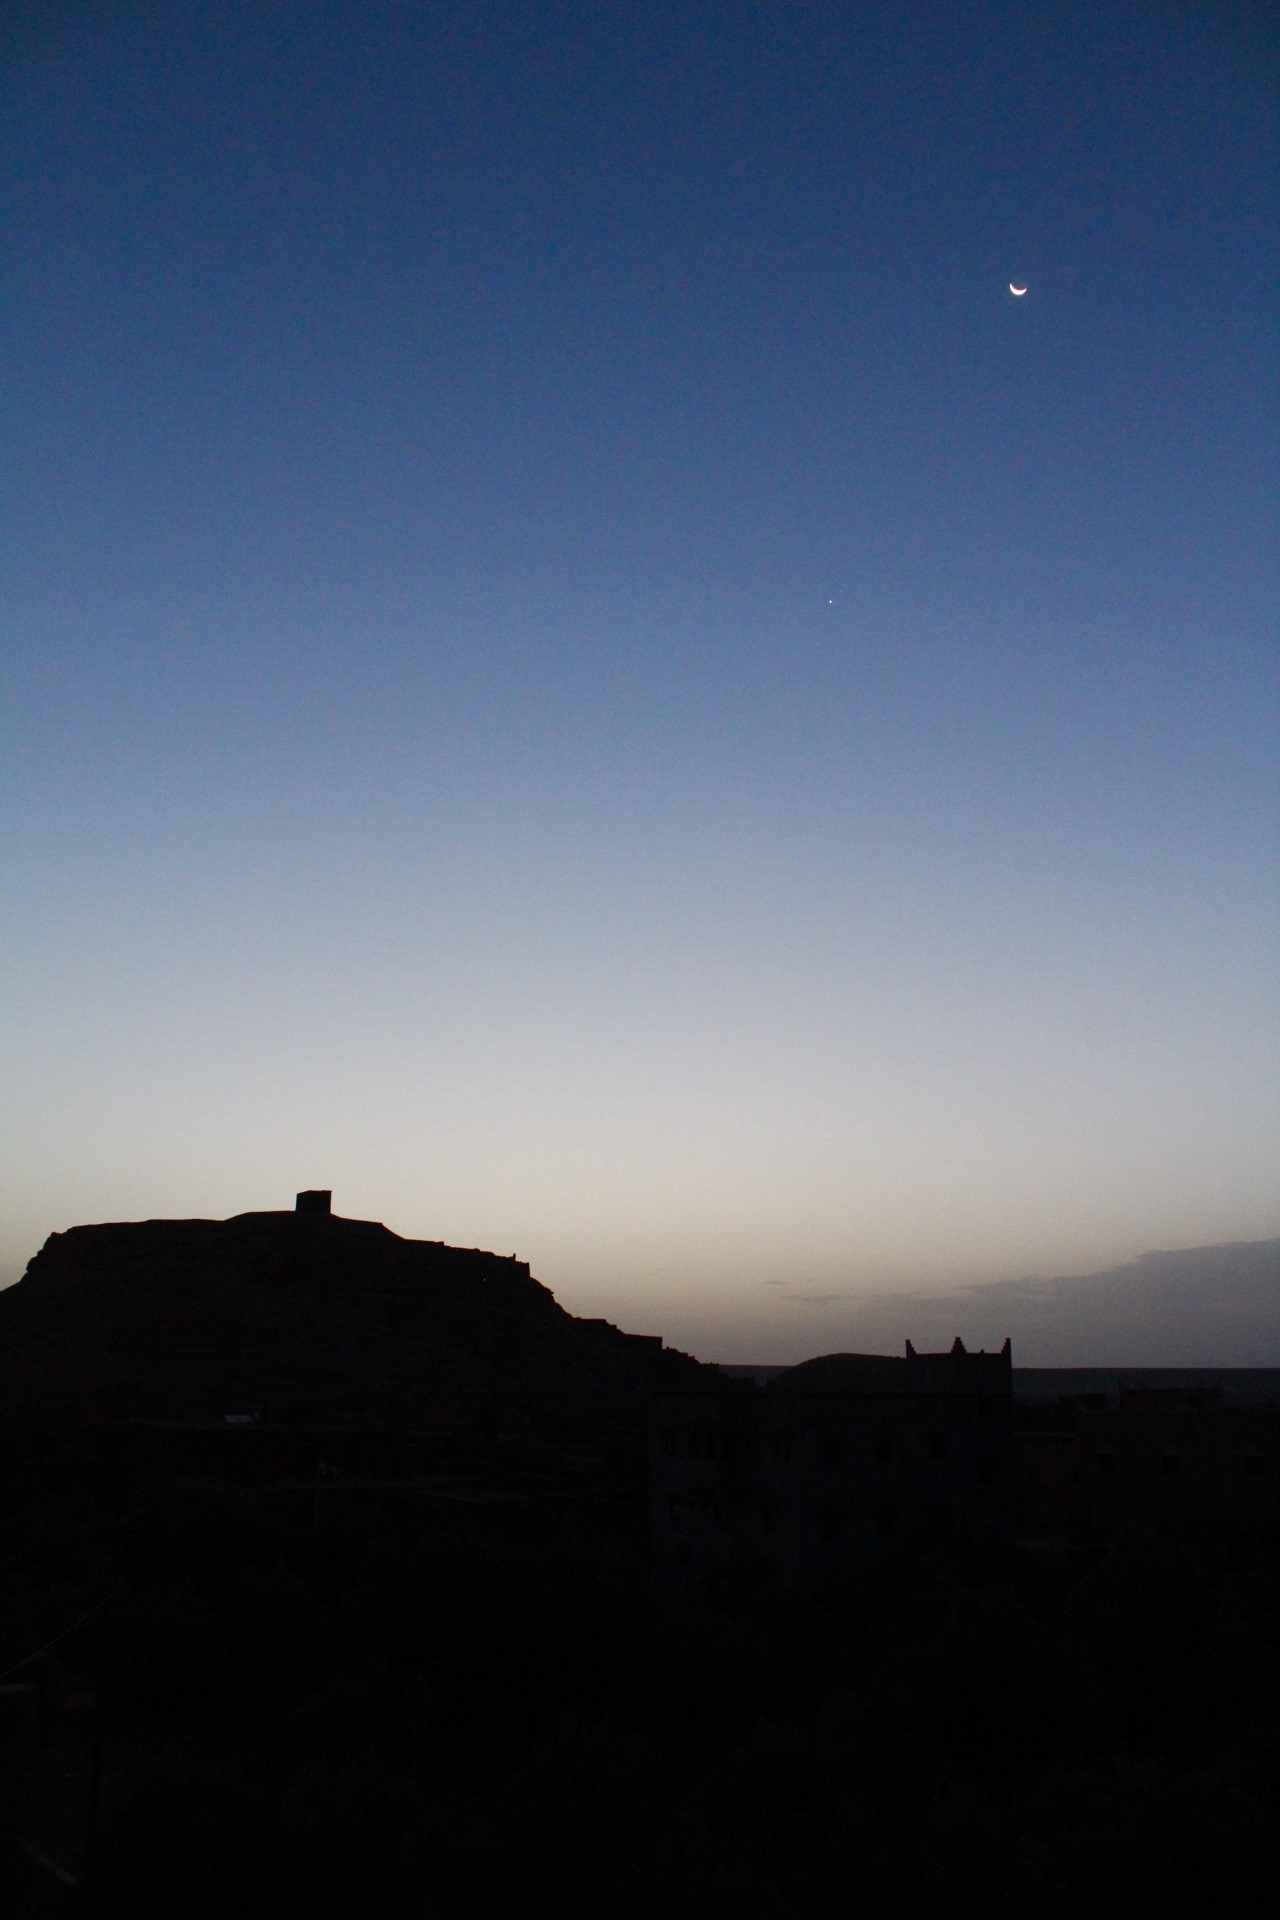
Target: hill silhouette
x: 306, y: 1317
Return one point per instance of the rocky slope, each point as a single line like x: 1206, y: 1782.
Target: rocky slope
x: 302, y: 1319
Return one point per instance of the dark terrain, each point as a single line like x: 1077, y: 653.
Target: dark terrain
x: 458, y: 1689
x: 306, y: 1317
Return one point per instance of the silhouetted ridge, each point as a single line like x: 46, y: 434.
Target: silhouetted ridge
x: 300, y: 1315
x: 843, y: 1372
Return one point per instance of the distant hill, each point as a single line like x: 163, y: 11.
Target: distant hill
x: 303, y: 1318
x: 1196, y: 1307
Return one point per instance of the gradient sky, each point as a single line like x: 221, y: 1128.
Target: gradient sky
x: 577, y: 669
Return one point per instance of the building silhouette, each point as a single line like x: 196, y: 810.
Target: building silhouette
x: 836, y: 1460
x: 1125, y: 1456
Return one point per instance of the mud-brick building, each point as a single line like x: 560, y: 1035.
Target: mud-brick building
x: 836, y: 1460
x: 1127, y: 1458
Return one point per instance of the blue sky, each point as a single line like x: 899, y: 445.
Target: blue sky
x: 578, y: 669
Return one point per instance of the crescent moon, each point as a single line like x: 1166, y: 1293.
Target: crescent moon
x: 1016, y: 291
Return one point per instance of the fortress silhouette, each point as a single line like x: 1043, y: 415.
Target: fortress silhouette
x: 324, y: 1360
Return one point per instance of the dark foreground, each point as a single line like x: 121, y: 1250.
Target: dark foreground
x: 393, y: 1717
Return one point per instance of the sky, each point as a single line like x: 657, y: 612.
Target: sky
x: 577, y: 669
